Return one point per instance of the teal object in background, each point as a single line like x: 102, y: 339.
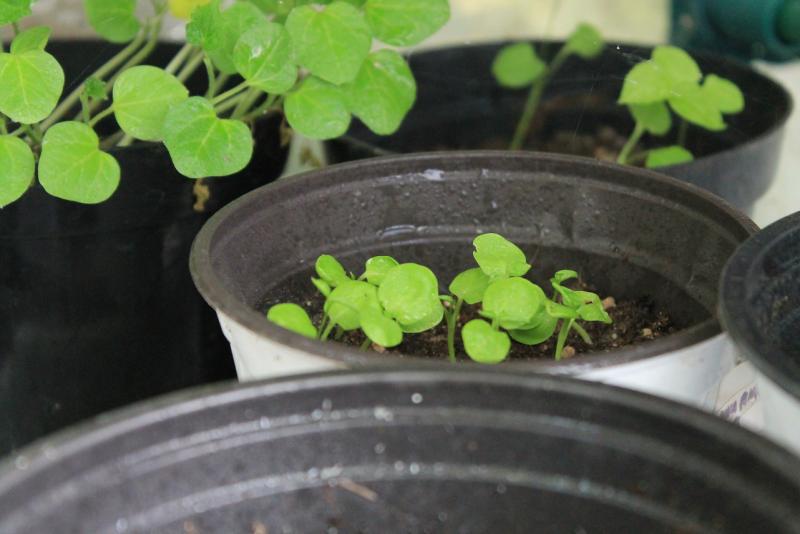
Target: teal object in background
x: 747, y: 29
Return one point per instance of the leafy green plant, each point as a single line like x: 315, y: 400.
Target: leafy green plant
x: 311, y: 60
x: 518, y: 66
x: 672, y: 82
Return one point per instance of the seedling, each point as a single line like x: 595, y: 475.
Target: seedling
x: 517, y: 66
x: 672, y: 82
x: 312, y: 60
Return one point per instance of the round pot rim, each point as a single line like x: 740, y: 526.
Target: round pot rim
x: 213, y: 291
x: 731, y: 62
x: 737, y: 317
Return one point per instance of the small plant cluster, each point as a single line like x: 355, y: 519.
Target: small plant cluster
x: 391, y: 299
x: 312, y: 60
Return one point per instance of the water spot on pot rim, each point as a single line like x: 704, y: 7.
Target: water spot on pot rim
x: 416, y: 398
x: 398, y: 229
x: 434, y: 175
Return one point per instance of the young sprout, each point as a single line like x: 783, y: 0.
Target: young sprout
x: 671, y: 81
x: 518, y: 66
x: 573, y: 306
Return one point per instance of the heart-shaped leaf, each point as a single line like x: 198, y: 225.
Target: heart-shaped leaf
x: 585, y: 42
x: 470, y: 285
x: 217, y: 32
x: 655, y: 117
x: 263, y: 56
x: 499, y: 257
x: 668, y: 155
x: 347, y: 302
x: 317, y: 109
x: 539, y: 333
x: 201, y: 144
x: 17, y: 167
x: 31, y: 39
x: 725, y: 94
x: 73, y: 167
x: 689, y: 101
x: 517, y: 65
x: 513, y: 302
x: 410, y: 294
x: 377, y: 267
x: 14, y: 10
x: 645, y: 83
x: 115, y: 20
x: 406, y: 22
x: 380, y: 329
x: 142, y: 97
x: 484, y: 344
x: 31, y: 83
x: 677, y: 65
x: 292, y: 317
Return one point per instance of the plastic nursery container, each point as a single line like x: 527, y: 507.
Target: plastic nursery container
x: 404, y: 451
x: 760, y: 308
x: 630, y: 232
x: 460, y: 106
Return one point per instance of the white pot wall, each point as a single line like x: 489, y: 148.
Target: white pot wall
x: 781, y: 413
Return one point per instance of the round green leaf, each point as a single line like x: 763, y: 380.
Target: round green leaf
x: 348, y: 300
x: 263, y: 56
x: 383, y: 92
x: 725, y: 94
x: 432, y: 318
x: 409, y: 293
x: 381, y: 330
x: 585, y: 42
x: 30, y: 85
x: 539, y: 333
x: 377, y: 267
x: 18, y: 167
x: 95, y: 88
x: 292, y: 317
x: 470, y: 285
x: 517, y: 65
x: 217, y: 32
x: 142, y: 97
x: 499, y: 257
x: 484, y: 344
x: 73, y: 167
x: 677, y: 65
x: 406, y: 22
x: 690, y: 102
x: 331, y: 43
x: 31, y: 39
x: 317, y: 109
x: 14, y: 10
x: 114, y: 20
x: 513, y: 302
x: 330, y: 270
x: 201, y: 144
x: 645, y: 83
x: 669, y: 155
x: 655, y: 117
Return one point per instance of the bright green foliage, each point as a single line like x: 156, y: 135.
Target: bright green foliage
x: 115, y: 20
x: 513, y: 302
x: 410, y: 294
x: 30, y: 85
x: 95, y: 89
x: 726, y: 95
x: 645, y: 83
x: 406, y: 22
x: 14, y: 10
x: 380, y: 329
x: 483, y: 343
x: 517, y: 65
x: 18, y: 167
x: 498, y: 257
x: 322, y: 286
x: 73, y: 167
x: 330, y: 270
x: 348, y: 300
x: 690, y: 102
x: 585, y: 41
x: 470, y: 285
x: 201, y: 144
x: 217, y: 32
x: 655, y: 117
x: 263, y: 56
x: 540, y: 331
x: 377, y: 267
x: 142, y: 97
x: 292, y: 317
x: 383, y: 92
x: 332, y: 43
x: 668, y: 155
x: 317, y: 109
x: 31, y: 39
x: 676, y: 64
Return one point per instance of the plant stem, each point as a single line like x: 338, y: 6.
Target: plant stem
x: 452, y: 322
x: 3, y: 126
x: 190, y: 66
x: 535, y: 95
x: 683, y: 130
x: 179, y: 59
x: 246, y: 102
x: 327, y: 331
x: 339, y: 333
x: 212, y: 77
x: 230, y: 93
x: 33, y: 132
x: 583, y: 333
x: 365, y: 345
x: 272, y: 101
x: 566, y: 326
x: 15, y: 25
x: 630, y: 144
x: 102, y: 115
x: 154, y: 28
x: 86, y: 114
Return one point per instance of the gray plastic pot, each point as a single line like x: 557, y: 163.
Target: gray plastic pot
x: 630, y: 232
x: 404, y: 451
x: 760, y: 308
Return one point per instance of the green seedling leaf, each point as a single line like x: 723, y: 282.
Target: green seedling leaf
x: 14, y: 10
x: 434, y: 317
x: 689, y: 101
x: 517, y: 65
x: 406, y: 22
x: 331, y: 43
x: 559, y: 311
x: 541, y: 332
x: 513, y: 302
x: 585, y: 42
x: 17, y: 169
x: 381, y: 330
x: 655, y: 117
x: 349, y: 300
x: 330, y: 270
x: 292, y: 317
x: 563, y: 275
x: 484, y: 344
x: 593, y: 310
x: 263, y: 56
x: 182, y: 9
x: 322, y: 286
x: 383, y: 92
x: 410, y: 293
x: 670, y: 155
x: 377, y: 267
x: 317, y: 109
x: 499, y: 257
x: 205, y: 28
x: 31, y: 39
x: 31, y: 83
x: 278, y: 8
x: 73, y: 167
x: 142, y: 97
x: 677, y: 65
x: 201, y: 144
x: 114, y: 20
x: 95, y: 88
x: 725, y: 94
x: 217, y: 32
x: 644, y: 84
x: 470, y: 285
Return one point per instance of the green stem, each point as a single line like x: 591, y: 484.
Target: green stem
x: 365, y: 345
x: 562, y: 336
x: 583, y: 333
x: 273, y: 101
x: 230, y: 93
x: 327, y: 331
x: 86, y: 113
x: 339, y: 333
x: 247, y: 101
x: 683, y: 130
x: 534, y: 97
x: 630, y: 144
x: 102, y: 115
x: 3, y: 126
x: 452, y: 322
x: 212, y: 77
x: 154, y: 28
x: 190, y: 67
x: 17, y: 30
x: 33, y: 132
x: 179, y: 59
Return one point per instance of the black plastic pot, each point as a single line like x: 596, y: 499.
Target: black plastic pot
x: 460, y: 106
x: 97, y: 308
x: 405, y: 451
x: 760, y: 308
